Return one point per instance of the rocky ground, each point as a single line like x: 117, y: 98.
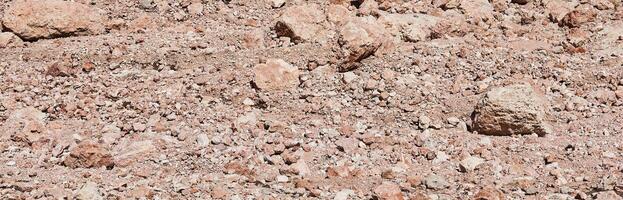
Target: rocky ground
x: 338, y: 99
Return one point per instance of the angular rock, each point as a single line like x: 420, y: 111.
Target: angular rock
x: 410, y: 27
x: 339, y: 171
x: 608, y: 195
x: 359, y: 38
x: 578, y: 17
x: 276, y: 74
x: 88, y: 155
x: 515, y: 109
x: 9, y: 39
x: 388, y: 191
x: 348, y: 145
x: 301, y: 23
x: 195, y: 8
x: 557, y: 9
x: 301, y: 168
x: 134, y: 152
x: 436, y: 182
x: 343, y: 194
x: 489, y: 193
x: 40, y: 19
x: 477, y: 9
x: 23, y: 124
x: 338, y: 14
x: 609, y: 39
x: 203, y: 140
x: 89, y: 191
x: 277, y: 3
x: 470, y: 163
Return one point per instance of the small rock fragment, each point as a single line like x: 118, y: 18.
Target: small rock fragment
x: 23, y: 123
x: 557, y: 9
x: 133, y: 152
x: 388, y: 191
x: 277, y: 3
x: 338, y: 14
x: 203, y: 140
x: 521, y: 2
x: 436, y: 182
x: 477, y: 9
x: 276, y: 74
x: 87, y: 155
x: 282, y: 179
x: 470, y: 163
x: 195, y: 8
x: 348, y: 145
x: 89, y: 191
x: 489, y: 193
x: 8, y: 39
x: 424, y: 122
x: 578, y: 17
x: 608, y: 195
x: 515, y: 109
x: 349, y: 77
x: 343, y: 194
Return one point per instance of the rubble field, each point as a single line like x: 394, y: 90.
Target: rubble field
x: 311, y: 99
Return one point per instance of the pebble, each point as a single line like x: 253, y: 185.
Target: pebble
x: 277, y: 3
x: 282, y: 179
x: 436, y: 182
x: 453, y: 121
x: 424, y: 122
x: 203, y: 140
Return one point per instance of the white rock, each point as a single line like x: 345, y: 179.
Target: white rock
x: 203, y: 140
x: 89, y: 191
x: 277, y: 3
x: 282, y: 179
x: 349, y: 77
x: 470, y: 163
x: 343, y: 195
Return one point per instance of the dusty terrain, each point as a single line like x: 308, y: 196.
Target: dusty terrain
x: 293, y: 99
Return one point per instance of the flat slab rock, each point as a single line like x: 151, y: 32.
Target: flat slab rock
x: 515, y: 109
x: 41, y: 19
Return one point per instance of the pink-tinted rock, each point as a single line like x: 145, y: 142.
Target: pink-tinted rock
x: 87, y: 155
x: 9, y: 39
x: 39, y: 19
x: 301, y: 23
x: 388, y: 191
x: 276, y: 74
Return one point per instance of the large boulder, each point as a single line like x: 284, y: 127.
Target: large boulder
x: 39, y: 19
x: 515, y: 109
x: 301, y: 23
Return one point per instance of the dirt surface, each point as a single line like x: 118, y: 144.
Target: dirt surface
x: 293, y: 99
